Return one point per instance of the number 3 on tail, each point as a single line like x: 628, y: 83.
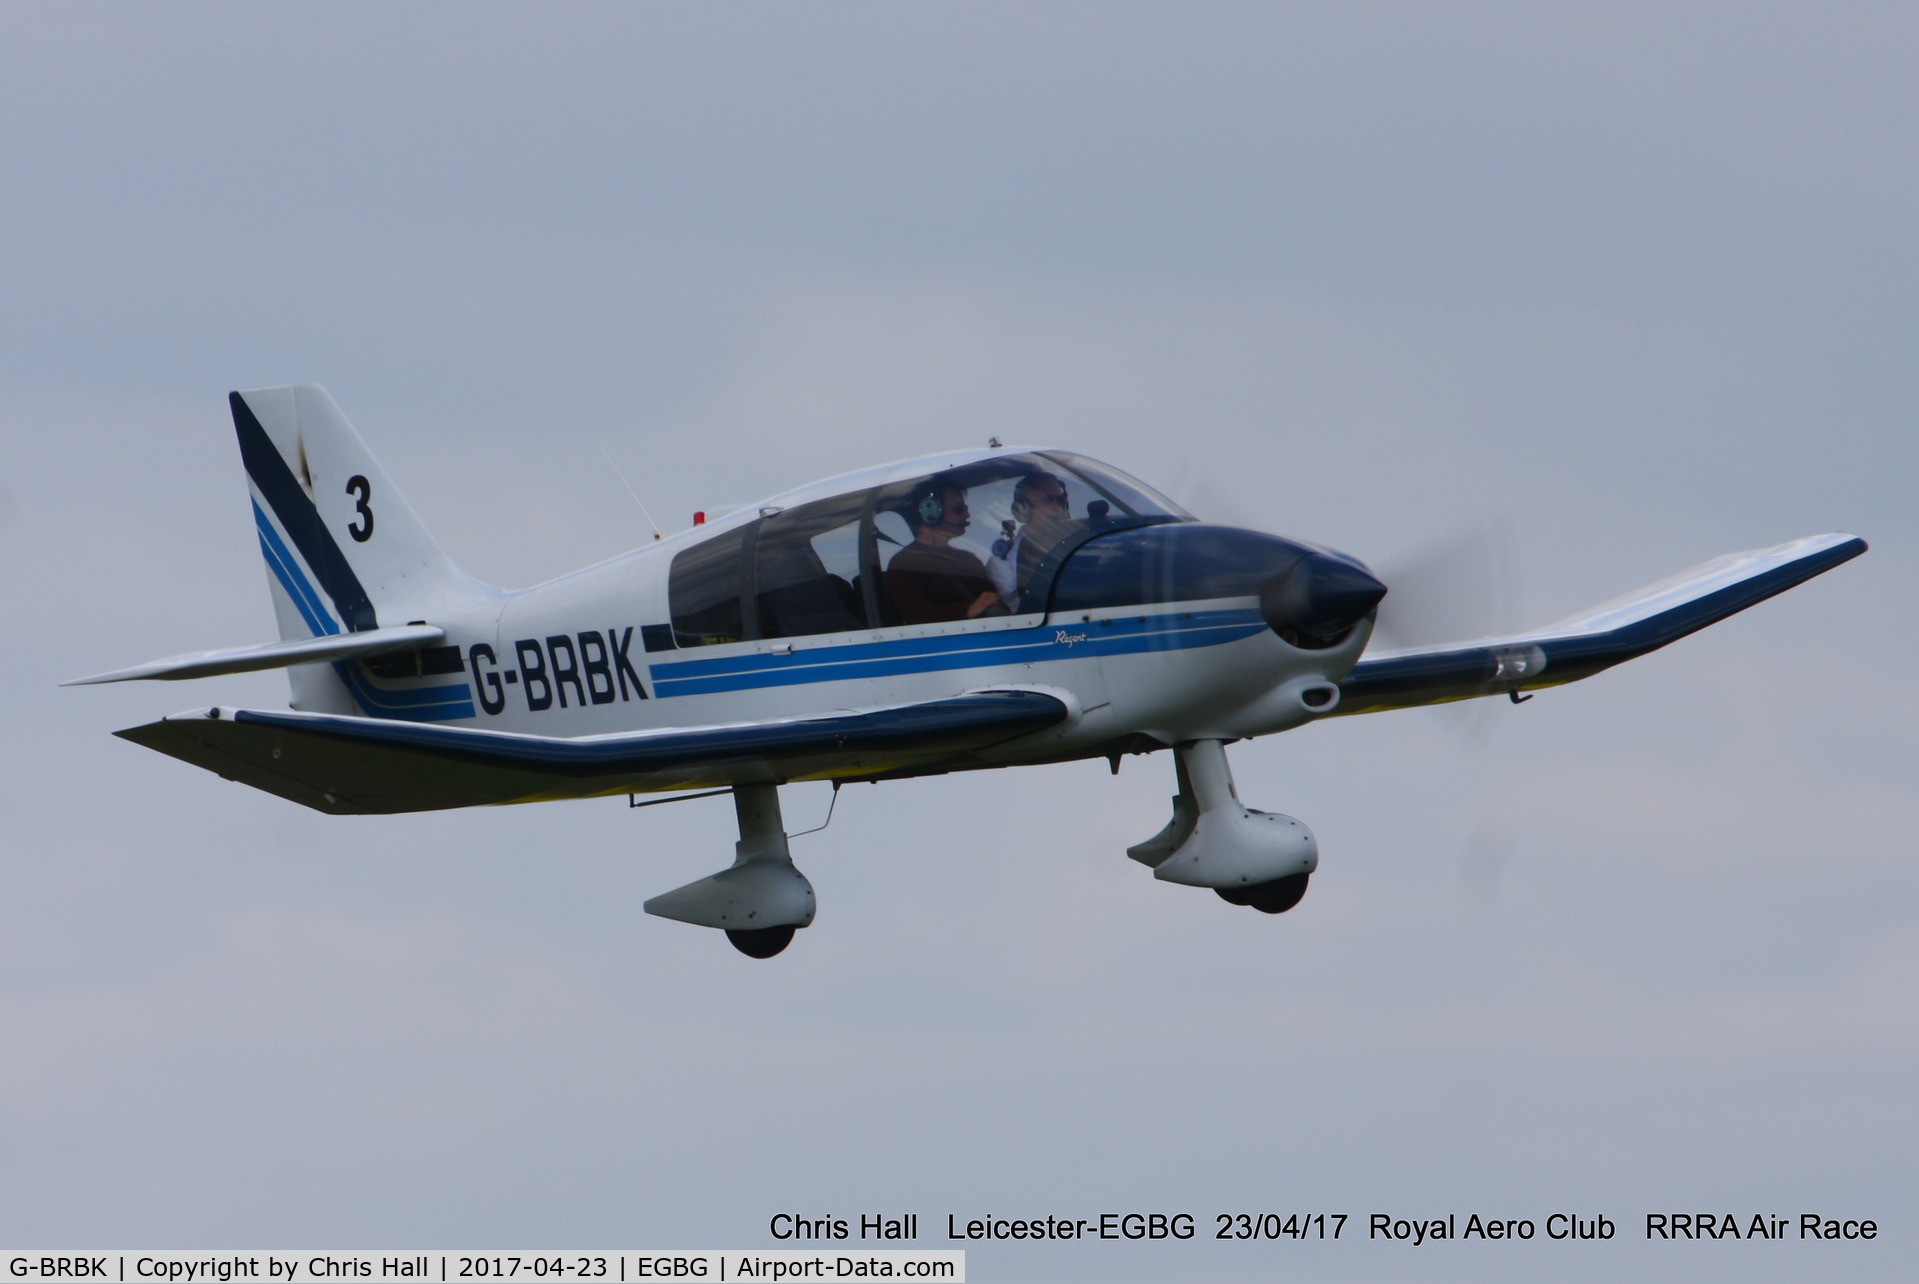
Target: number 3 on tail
x: 361, y: 487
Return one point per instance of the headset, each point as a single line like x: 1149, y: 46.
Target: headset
x: 932, y: 507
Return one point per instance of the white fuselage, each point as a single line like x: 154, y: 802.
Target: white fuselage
x: 569, y: 658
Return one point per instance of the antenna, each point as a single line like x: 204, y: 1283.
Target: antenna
x: 657, y: 533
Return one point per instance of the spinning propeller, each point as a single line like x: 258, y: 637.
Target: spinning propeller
x: 1457, y: 587
x: 1452, y: 588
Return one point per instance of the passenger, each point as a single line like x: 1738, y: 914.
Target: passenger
x: 1041, y: 508
x: 929, y: 580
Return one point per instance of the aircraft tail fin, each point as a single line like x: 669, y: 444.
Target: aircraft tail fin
x: 347, y: 554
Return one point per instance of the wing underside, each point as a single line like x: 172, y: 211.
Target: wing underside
x: 370, y: 765
x: 1599, y: 639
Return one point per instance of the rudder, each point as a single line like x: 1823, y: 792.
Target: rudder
x: 345, y: 551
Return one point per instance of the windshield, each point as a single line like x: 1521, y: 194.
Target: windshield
x: 967, y: 542
x: 1131, y: 494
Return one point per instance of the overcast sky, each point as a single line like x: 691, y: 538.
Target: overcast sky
x: 1633, y: 283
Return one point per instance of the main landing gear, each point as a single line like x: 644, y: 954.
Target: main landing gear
x: 1249, y: 857
x: 761, y: 900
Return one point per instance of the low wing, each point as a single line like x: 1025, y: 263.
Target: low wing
x: 375, y: 765
x: 274, y: 655
x: 1602, y: 637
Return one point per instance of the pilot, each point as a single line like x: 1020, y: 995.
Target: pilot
x: 1041, y: 508
x: 929, y: 580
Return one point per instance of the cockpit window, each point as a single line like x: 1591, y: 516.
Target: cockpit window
x: 961, y: 544
x: 966, y: 542
x: 939, y: 532
x: 806, y: 569
x: 704, y: 591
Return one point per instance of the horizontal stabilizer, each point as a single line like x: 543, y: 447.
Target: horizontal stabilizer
x: 274, y: 655
x: 374, y: 765
x: 1594, y: 640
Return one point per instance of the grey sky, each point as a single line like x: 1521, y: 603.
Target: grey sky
x: 1636, y: 283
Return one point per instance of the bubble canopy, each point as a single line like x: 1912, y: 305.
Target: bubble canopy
x: 978, y: 538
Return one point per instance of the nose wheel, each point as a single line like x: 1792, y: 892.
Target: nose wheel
x: 1249, y: 857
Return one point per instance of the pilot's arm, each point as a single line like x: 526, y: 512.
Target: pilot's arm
x: 1003, y: 568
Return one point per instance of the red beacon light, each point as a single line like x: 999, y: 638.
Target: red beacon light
x: 699, y: 518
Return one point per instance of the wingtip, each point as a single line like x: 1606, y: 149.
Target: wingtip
x: 141, y: 735
x: 1842, y: 546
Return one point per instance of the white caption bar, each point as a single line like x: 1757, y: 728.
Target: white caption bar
x: 707, y: 1266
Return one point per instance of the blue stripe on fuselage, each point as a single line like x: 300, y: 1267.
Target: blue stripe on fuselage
x: 1174, y: 631
x: 434, y: 704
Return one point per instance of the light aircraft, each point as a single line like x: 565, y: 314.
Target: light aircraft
x: 976, y: 609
